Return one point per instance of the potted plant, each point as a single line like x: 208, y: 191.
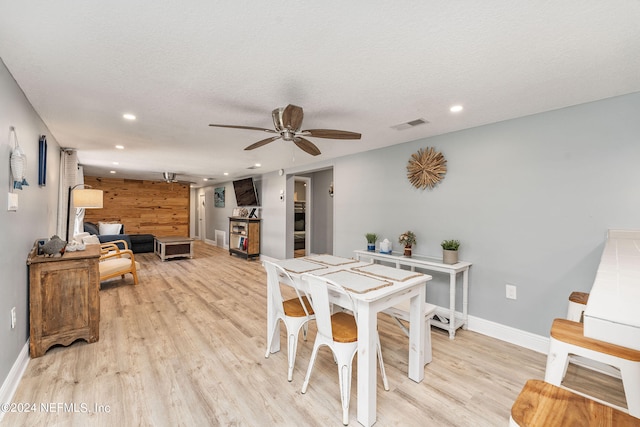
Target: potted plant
x: 408, y: 239
x: 372, y: 238
x: 450, y: 251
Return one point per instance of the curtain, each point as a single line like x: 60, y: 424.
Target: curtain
x: 78, y: 226
x: 68, y: 177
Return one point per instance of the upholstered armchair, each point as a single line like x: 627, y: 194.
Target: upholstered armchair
x: 117, y: 262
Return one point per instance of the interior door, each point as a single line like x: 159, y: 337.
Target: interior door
x: 202, y: 224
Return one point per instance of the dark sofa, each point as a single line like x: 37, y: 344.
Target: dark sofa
x: 92, y: 228
x: 138, y: 243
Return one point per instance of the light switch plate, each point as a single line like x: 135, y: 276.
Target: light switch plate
x: 12, y: 202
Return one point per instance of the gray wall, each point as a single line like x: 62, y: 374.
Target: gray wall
x: 531, y: 199
x: 35, y: 218
x: 218, y: 218
x: 322, y: 212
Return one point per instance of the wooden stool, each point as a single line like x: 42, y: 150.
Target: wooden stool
x: 545, y: 405
x: 567, y: 337
x: 577, y: 304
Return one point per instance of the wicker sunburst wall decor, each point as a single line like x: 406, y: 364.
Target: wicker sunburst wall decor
x: 426, y: 168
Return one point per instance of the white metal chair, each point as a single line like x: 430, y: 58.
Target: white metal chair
x: 339, y: 332
x: 295, y: 313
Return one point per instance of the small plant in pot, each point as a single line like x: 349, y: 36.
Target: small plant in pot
x: 372, y: 238
x: 450, y: 251
x: 407, y: 239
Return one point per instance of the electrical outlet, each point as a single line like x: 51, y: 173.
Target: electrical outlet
x: 511, y: 291
x: 13, y: 318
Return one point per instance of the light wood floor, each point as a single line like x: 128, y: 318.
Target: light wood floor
x: 186, y: 348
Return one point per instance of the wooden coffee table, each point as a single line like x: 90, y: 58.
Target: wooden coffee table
x: 173, y: 247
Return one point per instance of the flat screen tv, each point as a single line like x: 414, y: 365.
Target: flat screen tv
x: 246, y: 194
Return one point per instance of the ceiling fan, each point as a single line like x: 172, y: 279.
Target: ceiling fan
x: 288, y: 121
x: 169, y: 177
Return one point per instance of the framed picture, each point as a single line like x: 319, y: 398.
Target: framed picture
x: 42, y: 161
x: 218, y: 197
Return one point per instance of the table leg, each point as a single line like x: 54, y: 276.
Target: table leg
x: 465, y: 298
x: 417, y: 336
x: 367, y: 368
x: 273, y: 325
x: 452, y: 305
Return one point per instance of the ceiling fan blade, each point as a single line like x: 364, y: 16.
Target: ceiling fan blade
x: 292, y: 117
x: 306, y: 145
x: 263, y: 142
x: 331, y: 134
x: 245, y: 127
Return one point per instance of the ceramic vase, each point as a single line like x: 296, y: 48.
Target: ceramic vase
x: 449, y: 257
x: 371, y: 247
x: 407, y: 251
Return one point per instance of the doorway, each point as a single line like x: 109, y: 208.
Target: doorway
x: 301, y: 216
x: 202, y: 217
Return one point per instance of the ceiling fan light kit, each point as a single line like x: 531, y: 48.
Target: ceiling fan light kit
x: 287, y: 122
x: 169, y: 177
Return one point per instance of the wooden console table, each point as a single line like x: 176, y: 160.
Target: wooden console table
x: 173, y: 247
x: 456, y: 319
x: 64, y: 299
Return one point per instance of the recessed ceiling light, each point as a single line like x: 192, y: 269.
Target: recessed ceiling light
x: 129, y: 116
x: 205, y: 179
x: 116, y: 163
x: 226, y: 173
x: 120, y: 147
x: 456, y: 108
x: 258, y: 165
x: 112, y: 171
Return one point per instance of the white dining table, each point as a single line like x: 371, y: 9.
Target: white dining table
x: 377, y: 289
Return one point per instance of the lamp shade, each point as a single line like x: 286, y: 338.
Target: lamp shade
x: 87, y: 198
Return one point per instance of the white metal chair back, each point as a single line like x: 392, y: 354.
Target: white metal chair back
x: 275, y: 275
x: 276, y: 312
x: 318, y: 290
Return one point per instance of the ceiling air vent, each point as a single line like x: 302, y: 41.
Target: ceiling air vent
x: 408, y: 125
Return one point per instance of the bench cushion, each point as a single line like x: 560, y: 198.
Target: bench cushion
x: 115, y: 266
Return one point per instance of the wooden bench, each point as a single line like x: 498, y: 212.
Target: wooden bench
x: 401, y: 312
x: 577, y: 304
x: 541, y: 404
x: 567, y: 337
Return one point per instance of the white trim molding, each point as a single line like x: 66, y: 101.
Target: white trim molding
x: 511, y: 335
x: 10, y: 384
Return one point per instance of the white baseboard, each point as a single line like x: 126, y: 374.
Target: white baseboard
x: 10, y: 384
x: 511, y: 335
x: 215, y: 243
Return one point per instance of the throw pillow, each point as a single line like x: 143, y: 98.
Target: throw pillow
x: 109, y: 228
x: 91, y: 240
x: 91, y: 228
x: 78, y: 237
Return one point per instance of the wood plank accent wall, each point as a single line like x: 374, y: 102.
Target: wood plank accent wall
x: 144, y: 207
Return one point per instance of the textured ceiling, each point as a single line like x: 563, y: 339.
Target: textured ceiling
x: 361, y: 66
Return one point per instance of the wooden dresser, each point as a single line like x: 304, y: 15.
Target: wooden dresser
x: 64, y: 299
